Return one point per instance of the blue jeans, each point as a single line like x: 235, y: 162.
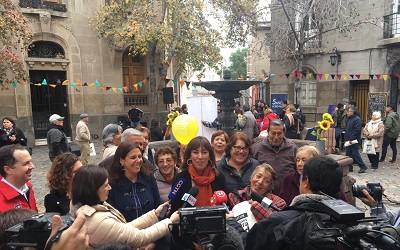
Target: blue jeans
x: 352, y: 152
x: 134, y: 124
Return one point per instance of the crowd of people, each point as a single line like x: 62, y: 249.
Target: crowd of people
x: 121, y: 199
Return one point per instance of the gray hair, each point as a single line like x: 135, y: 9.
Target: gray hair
x: 129, y: 132
x: 108, y: 133
x: 352, y: 109
x: 377, y: 114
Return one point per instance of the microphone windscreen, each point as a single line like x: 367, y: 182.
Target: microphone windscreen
x: 194, y: 191
x: 256, y: 197
x: 177, y: 189
x: 220, y: 197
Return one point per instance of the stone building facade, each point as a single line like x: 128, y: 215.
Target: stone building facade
x: 88, y: 74
x: 366, y: 55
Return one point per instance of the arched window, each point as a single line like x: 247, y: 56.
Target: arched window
x: 45, y: 49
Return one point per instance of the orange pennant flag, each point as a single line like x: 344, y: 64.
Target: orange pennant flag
x: 53, y: 85
x: 78, y: 83
x: 144, y: 81
x: 65, y: 82
x: 103, y: 88
x: 181, y: 83
x: 385, y: 77
x: 326, y: 76
x: 281, y: 75
x: 22, y: 83
x: 125, y: 89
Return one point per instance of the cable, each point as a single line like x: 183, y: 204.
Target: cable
x: 394, y: 202
x: 392, y: 227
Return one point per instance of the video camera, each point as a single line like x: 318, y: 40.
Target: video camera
x: 373, y: 188
x: 35, y: 231
x: 198, y: 220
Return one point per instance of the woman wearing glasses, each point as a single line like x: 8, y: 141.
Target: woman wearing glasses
x: 237, y: 165
x: 261, y: 182
x: 165, y: 159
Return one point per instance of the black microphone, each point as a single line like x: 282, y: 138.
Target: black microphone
x: 264, y: 201
x: 190, y: 198
x: 173, y: 195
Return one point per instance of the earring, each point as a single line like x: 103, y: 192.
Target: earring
x: 210, y: 163
x: 122, y: 167
x: 189, y: 161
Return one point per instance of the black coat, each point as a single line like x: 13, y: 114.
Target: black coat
x: 5, y: 140
x: 57, y: 203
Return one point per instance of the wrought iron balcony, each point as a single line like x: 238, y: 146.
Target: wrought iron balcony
x: 131, y: 99
x: 42, y: 4
x: 391, y: 25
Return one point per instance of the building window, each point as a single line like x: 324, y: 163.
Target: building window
x: 45, y: 49
x: 308, y: 94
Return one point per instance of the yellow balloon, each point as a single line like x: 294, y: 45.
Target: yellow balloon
x: 185, y: 128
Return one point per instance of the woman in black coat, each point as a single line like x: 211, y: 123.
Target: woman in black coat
x: 10, y: 134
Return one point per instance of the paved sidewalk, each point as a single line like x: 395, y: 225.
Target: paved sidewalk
x: 387, y: 174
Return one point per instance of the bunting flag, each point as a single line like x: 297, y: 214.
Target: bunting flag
x: 398, y: 76
x: 358, y: 76
x: 14, y: 84
x: 114, y: 89
x: 22, y: 83
x: 187, y: 85
x: 85, y: 84
x: 385, y: 77
x: 125, y: 88
x: 339, y: 76
x: 299, y: 74
x: 378, y: 77
x: 371, y: 76
x: 345, y: 77
x: 44, y: 82
x: 53, y: 85
x: 38, y: 84
x: 97, y: 84
x: 78, y: 83
x: 272, y: 75
x: 333, y: 77
x: 315, y: 76
x: 310, y: 75
x: 108, y: 88
x: 140, y: 84
x: 92, y: 85
x: 65, y: 82
x: 103, y: 88
x: 293, y: 75
x: 73, y: 84
x: 304, y: 75
x: 326, y: 76
x: 175, y: 83
x: 320, y: 76
x: 352, y: 76
x: 365, y: 76
x: 280, y: 76
x: 287, y: 75
x: 181, y: 83
x: 144, y: 81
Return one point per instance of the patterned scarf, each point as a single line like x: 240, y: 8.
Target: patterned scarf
x: 203, y: 182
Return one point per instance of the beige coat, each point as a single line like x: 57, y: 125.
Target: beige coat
x: 378, y: 134
x: 105, y: 224
x: 82, y: 132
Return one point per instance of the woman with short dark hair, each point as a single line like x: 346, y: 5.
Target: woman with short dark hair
x: 10, y: 134
x: 104, y: 223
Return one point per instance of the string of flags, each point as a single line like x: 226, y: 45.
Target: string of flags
x: 140, y: 84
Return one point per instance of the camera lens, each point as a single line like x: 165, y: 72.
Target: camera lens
x: 358, y: 190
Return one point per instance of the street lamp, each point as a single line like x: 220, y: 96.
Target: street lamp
x: 335, y: 58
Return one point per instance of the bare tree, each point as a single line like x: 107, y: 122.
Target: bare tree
x: 298, y: 27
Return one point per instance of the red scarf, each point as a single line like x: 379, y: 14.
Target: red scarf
x: 203, y: 182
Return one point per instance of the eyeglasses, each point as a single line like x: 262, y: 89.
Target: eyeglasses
x: 238, y: 149
x: 167, y: 161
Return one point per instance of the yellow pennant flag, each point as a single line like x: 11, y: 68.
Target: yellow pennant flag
x: 385, y: 77
x: 115, y: 90
x: 91, y: 85
x: 365, y: 76
x: 309, y: 75
x: 38, y: 84
x: 65, y: 82
x: 344, y: 76
x: 326, y: 76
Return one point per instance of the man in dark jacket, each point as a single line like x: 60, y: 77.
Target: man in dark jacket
x: 57, y: 141
x: 277, y: 151
x: 286, y: 229
x: 353, y: 132
x: 392, y: 129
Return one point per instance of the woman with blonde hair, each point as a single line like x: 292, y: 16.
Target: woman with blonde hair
x: 269, y: 115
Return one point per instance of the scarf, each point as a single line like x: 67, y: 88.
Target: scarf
x: 203, y: 182
x: 372, y: 128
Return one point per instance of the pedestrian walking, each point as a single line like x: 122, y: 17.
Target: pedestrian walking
x: 373, y: 132
x: 83, y: 138
x: 392, y: 129
x: 56, y: 137
x: 353, y: 132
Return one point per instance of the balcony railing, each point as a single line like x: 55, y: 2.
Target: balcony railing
x: 41, y: 4
x: 132, y: 99
x: 391, y: 25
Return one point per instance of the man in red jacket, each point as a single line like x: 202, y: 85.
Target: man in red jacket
x: 16, y: 170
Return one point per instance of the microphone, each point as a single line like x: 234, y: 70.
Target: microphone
x: 173, y: 195
x: 190, y: 198
x: 220, y: 198
x: 264, y: 201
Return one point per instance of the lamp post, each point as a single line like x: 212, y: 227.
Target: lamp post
x: 336, y: 58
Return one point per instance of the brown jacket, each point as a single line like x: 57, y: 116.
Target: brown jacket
x: 378, y: 135
x: 105, y: 224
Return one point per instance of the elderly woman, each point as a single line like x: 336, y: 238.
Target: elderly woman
x: 10, y: 134
x: 291, y: 181
x: 261, y: 182
x: 134, y: 190
x: 105, y: 224
x: 148, y: 153
x: 199, y: 169
x: 60, y: 176
x: 237, y: 165
x: 373, y: 131
x: 111, y: 139
x: 219, y: 139
x: 166, y: 162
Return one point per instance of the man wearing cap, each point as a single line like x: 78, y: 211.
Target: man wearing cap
x: 56, y: 137
x: 83, y: 138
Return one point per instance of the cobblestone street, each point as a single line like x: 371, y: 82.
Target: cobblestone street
x: 388, y: 175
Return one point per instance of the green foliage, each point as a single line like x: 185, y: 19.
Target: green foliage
x: 15, y: 37
x: 238, y: 64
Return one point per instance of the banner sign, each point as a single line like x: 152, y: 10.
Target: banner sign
x: 276, y: 100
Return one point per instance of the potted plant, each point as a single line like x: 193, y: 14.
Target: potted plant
x: 322, y: 126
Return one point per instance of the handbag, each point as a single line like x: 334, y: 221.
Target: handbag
x: 75, y: 149
x: 369, y: 147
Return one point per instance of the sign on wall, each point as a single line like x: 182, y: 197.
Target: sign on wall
x: 276, y: 100
x: 377, y: 102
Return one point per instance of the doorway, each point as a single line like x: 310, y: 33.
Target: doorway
x: 359, y: 90
x: 48, y: 100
